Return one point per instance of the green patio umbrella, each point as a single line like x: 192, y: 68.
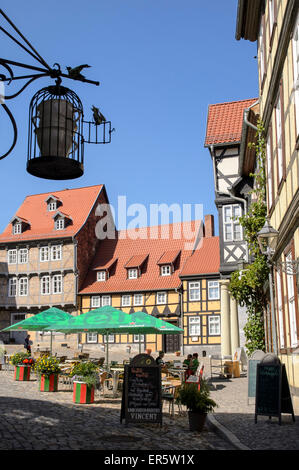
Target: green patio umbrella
x: 109, y: 320
x: 41, y: 321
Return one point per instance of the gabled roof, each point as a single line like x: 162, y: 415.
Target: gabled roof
x: 136, y: 261
x: 225, y: 121
x: 123, y: 249
x: 169, y: 257
x: 78, y: 203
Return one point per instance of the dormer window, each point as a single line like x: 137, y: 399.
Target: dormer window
x: 59, y: 224
x: 53, y: 203
x: 165, y: 270
x: 61, y: 220
x: 101, y: 276
x: 52, y: 206
x: 132, y: 273
x: 17, y: 228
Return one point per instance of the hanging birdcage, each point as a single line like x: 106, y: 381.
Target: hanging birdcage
x: 55, y: 139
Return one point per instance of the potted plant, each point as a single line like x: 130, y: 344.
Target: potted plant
x: 22, y: 362
x: 85, y: 377
x: 198, y: 403
x: 48, y: 370
x: 178, y: 353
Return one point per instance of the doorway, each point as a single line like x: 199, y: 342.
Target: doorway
x: 171, y: 343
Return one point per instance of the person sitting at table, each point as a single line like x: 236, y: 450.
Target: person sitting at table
x: 159, y: 360
x: 194, y: 364
x: 187, y: 362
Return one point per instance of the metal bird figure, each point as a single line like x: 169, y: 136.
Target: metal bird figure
x: 97, y: 116
x: 76, y: 71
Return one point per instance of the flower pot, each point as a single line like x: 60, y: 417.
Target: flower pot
x: 83, y: 393
x: 148, y: 351
x: 22, y: 373
x: 48, y: 383
x: 178, y: 353
x: 196, y: 420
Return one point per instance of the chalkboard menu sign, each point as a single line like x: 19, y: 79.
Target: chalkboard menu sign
x: 141, y: 399
x: 254, y: 360
x: 272, y: 389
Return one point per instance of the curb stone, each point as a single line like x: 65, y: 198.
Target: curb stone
x: 225, y: 433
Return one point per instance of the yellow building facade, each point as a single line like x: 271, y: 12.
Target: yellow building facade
x: 274, y: 25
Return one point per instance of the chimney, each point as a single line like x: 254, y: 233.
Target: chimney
x: 209, y: 226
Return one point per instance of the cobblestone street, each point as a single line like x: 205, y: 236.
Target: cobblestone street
x: 35, y: 420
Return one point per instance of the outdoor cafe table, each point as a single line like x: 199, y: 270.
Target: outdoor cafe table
x: 179, y: 371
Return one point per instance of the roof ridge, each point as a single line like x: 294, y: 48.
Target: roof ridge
x: 66, y: 189
x: 232, y: 102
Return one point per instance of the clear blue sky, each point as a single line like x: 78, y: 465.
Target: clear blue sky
x: 160, y: 64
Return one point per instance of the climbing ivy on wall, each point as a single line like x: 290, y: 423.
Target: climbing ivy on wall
x: 247, y: 285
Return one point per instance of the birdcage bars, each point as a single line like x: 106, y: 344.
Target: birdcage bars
x: 55, y: 135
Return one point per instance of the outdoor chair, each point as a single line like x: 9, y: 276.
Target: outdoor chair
x: 169, y: 394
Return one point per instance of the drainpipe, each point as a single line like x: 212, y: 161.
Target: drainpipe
x: 178, y: 291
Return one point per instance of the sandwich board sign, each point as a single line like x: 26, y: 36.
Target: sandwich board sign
x: 254, y: 360
x: 272, y: 389
x: 142, y: 393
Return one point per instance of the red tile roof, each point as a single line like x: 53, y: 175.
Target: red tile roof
x: 225, y: 121
x: 205, y: 260
x: 75, y: 202
x: 169, y: 257
x: 127, y: 245
x: 136, y: 261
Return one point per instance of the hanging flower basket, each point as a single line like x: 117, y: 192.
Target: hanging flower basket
x: 48, y: 383
x: 22, y: 373
x: 83, y: 392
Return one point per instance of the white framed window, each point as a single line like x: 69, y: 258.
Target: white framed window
x: 194, y: 326
x: 106, y: 300
x: 17, y: 228
x: 12, y: 287
x: 57, y: 284
x: 44, y: 253
x: 295, y: 42
x: 59, y: 224
x: 165, y: 270
x: 291, y: 304
x: 45, y: 285
x: 161, y: 298
x: 12, y: 257
x: 52, y: 206
x: 280, y: 308
x: 91, y: 337
x: 138, y: 338
x: 232, y: 229
x: 214, y: 325
x: 101, y: 276
x: 194, y: 291
x: 138, y: 299
x: 111, y: 338
x: 56, y: 252
x: 132, y: 273
x: 95, y: 301
x: 126, y: 300
x: 23, y: 256
x: 278, y: 127
x: 213, y: 290
x: 269, y: 171
x: 23, y: 286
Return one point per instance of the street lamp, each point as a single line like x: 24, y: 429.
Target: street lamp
x: 56, y: 126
